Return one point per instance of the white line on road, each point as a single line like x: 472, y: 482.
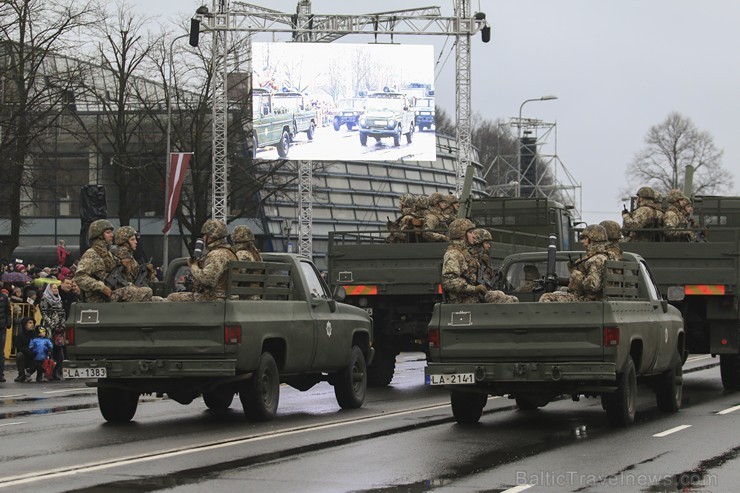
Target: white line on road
x: 698, y: 357
x: 729, y: 410
x: 13, y: 424
x: 12, y: 395
x: 672, y: 430
x: 517, y: 489
x: 77, y: 389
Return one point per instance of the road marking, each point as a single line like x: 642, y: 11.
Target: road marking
x: 729, y: 410
x: 68, y: 390
x: 11, y: 395
x: 13, y: 424
x: 672, y: 430
x: 698, y: 357
x: 517, y: 489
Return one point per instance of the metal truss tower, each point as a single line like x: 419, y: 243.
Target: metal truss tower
x: 305, y: 26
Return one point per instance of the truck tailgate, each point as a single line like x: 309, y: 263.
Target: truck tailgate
x: 521, y: 332
x: 120, y: 330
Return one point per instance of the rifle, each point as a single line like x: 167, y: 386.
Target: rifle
x: 115, y: 278
x: 551, y: 276
x: 141, y: 278
x: 482, y: 277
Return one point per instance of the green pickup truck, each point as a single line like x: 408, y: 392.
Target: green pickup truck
x: 387, y: 114
x: 279, y: 324
x: 535, y: 352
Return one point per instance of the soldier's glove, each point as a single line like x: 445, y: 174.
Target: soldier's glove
x: 151, y: 269
x: 107, y: 292
x: 480, y: 288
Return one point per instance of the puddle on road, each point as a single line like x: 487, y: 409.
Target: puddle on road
x: 47, y: 410
x: 697, y: 479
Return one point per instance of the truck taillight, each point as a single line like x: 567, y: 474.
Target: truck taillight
x: 433, y: 336
x: 69, y: 335
x: 233, y: 334
x: 611, y: 336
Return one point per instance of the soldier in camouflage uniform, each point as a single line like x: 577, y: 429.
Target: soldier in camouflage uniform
x: 450, y: 212
x: 400, y: 227
x: 126, y: 240
x: 457, y: 280
x: 613, y: 236
x: 209, y: 272
x: 586, y: 275
x: 97, y: 262
x: 244, y: 247
x: 648, y: 214
x: 484, y: 271
x: 435, y: 218
x: 531, y: 277
x: 676, y: 219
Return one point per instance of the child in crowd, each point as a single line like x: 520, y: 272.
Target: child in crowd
x: 41, y: 347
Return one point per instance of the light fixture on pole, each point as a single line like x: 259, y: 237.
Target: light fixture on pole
x: 519, y: 140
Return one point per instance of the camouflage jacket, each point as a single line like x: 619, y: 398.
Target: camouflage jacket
x: 131, y: 267
x: 95, y: 264
x: 676, y: 225
x: 587, y: 278
x: 210, y: 273
x: 247, y: 252
x: 457, y: 282
x: 433, y: 220
x: 647, y: 216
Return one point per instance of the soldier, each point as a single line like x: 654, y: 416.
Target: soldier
x: 126, y: 239
x: 435, y: 218
x: 531, y: 277
x: 243, y: 239
x: 457, y: 281
x: 484, y: 271
x: 648, y: 214
x: 586, y: 275
x: 676, y: 225
x: 613, y: 236
x: 209, y: 272
x: 453, y: 205
x: 95, y: 265
x: 400, y: 227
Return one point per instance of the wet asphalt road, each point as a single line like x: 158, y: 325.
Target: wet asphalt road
x: 403, y: 440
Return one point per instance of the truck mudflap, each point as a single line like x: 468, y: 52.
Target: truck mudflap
x: 544, y: 372
x: 160, y: 368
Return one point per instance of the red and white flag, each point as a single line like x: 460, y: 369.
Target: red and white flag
x: 179, y: 162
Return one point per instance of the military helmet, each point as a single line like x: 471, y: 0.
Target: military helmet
x: 407, y: 200
x: 97, y: 228
x: 214, y: 228
x: 123, y: 234
x: 594, y: 232
x: 436, y: 198
x: 675, y: 195
x: 422, y: 202
x: 480, y: 235
x: 242, y: 234
x: 613, y: 230
x: 451, y: 199
x: 459, y: 227
x: 647, y: 193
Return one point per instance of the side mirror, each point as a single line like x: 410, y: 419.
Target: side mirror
x: 340, y: 294
x: 664, y: 304
x: 332, y: 306
x: 675, y: 293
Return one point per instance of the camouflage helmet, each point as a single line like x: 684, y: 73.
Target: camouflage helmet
x: 242, y: 234
x: 123, y: 234
x: 647, y: 193
x: 406, y: 200
x: 459, y: 227
x: 675, y: 195
x: 480, y: 235
x: 214, y: 228
x: 613, y: 230
x: 435, y: 198
x: 595, y: 233
x: 97, y: 228
x: 422, y: 202
x: 451, y: 199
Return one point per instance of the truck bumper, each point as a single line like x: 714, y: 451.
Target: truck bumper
x: 161, y: 368
x: 514, y: 372
x: 379, y: 133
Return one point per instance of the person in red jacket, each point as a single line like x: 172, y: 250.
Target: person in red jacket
x: 62, y: 253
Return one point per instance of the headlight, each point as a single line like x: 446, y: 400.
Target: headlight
x: 391, y: 123
x: 362, y: 121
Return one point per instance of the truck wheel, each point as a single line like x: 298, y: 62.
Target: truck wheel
x: 669, y: 387
x: 467, y: 407
x: 350, y: 384
x: 218, y: 400
x: 397, y: 138
x: 363, y: 139
x: 350, y: 126
x: 284, y: 144
x: 311, y: 130
x: 116, y: 405
x: 729, y: 367
x: 620, y: 406
x: 410, y: 135
x: 261, y: 393
x: 337, y: 125
x: 381, y: 370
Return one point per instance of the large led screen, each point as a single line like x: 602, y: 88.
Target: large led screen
x: 332, y: 101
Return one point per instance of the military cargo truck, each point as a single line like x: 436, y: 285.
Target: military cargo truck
x: 399, y: 283
x: 536, y: 351
x: 278, y: 324
x: 701, y: 280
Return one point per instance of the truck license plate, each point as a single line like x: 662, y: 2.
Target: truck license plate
x: 451, y: 379
x: 98, y: 372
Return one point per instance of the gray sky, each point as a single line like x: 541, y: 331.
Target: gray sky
x: 617, y: 66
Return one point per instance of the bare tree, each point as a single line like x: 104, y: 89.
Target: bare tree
x: 36, y: 90
x: 670, y: 147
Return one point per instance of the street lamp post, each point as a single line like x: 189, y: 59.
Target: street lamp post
x: 519, y: 140
x: 168, y: 99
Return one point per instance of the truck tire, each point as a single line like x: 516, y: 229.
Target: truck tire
x: 669, y: 387
x: 337, y: 125
x: 261, y: 393
x: 350, y: 384
x: 729, y: 367
x: 410, y: 135
x: 381, y: 370
x: 350, y: 126
x: 363, y: 139
x: 620, y: 405
x: 218, y: 400
x: 116, y: 405
x: 311, y: 130
x: 467, y: 407
x: 397, y: 138
x: 284, y: 145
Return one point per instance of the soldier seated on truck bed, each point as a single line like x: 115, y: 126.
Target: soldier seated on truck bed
x: 677, y: 218
x: 647, y: 215
x: 586, y: 274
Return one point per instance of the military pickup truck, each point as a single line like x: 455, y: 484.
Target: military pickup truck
x: 279, y: 324
x: 535, y: 352
x: 271, y: 126
x: 305, y: 118
x: 387, y: 114
x: 424, y: 113
x: 348, y: 113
